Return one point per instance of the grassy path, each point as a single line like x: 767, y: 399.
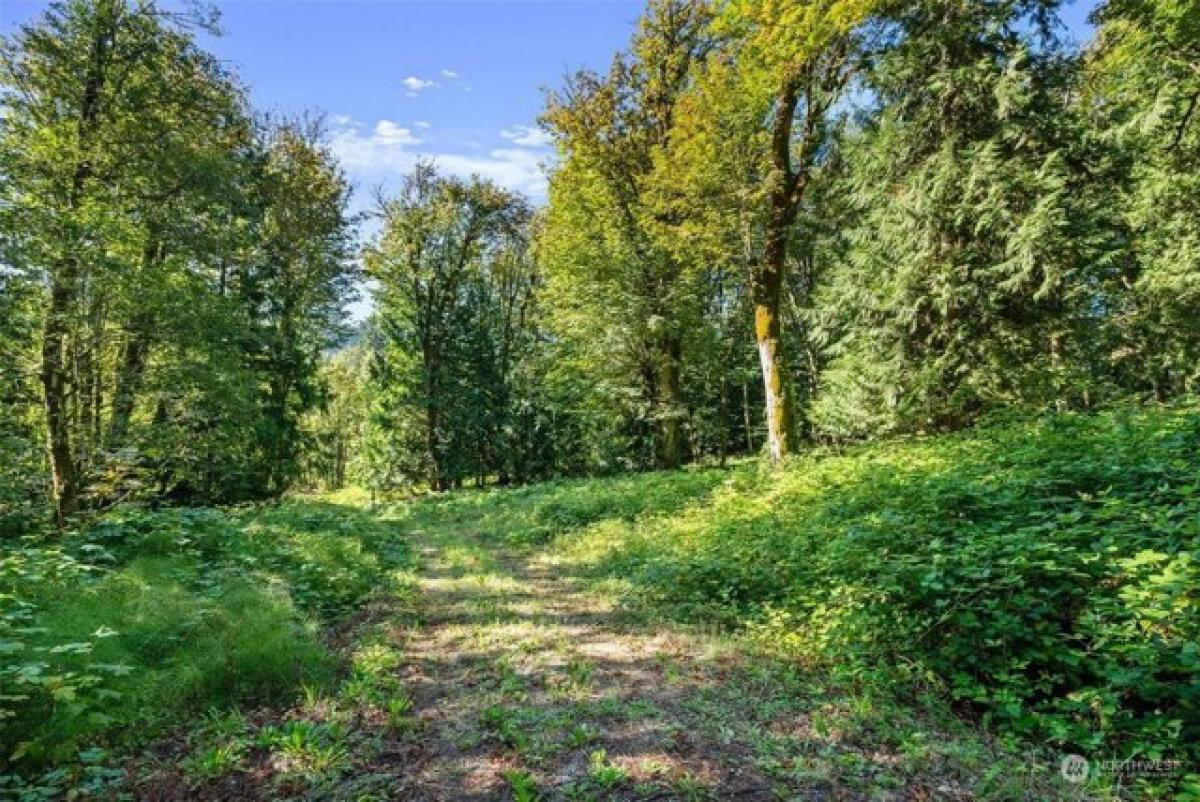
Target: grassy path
x: 491, y: 671
x: 525, y: 679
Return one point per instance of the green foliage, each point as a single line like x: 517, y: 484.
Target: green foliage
x: 312, y: 750
x: 1142, y: 78
x: 170, y: 270
x: 151, y: 615
x: 523, y: 786
x: 22, y: 494
x: 641, y: 358
x: 536, y: 514
x: 335, y: 432
x: 937, y: 210
x: 1042, y: 571
x: 453, y: 335
x: 603, y: 772
x: 970, y: 275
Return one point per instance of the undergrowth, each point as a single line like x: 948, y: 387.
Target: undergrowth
x: 1040, y: 574
x: 1044, y: 574
x: 151, y: 617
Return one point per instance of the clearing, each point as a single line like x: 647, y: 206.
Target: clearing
x: 501, y: 673
x: 931, y: 618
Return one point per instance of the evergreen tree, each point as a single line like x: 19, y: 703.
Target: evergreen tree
x: 1144, y: 93
x: 453, y: 289
x: 969, y: 279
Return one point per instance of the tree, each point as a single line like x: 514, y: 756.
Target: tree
x: 609, y: 130
x: 88, y: 94
x: 295, y: 285
x: 22, y: 464
x: 1144, y: 100
x: 334, y: 431
x: 750, y: 140
x: 193, y: 264
x: 974, y: 241
x: 451, y: 291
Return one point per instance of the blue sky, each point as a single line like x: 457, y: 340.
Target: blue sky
x: 454, y: 80
x: 458, y: 81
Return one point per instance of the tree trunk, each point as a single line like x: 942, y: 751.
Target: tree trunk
x: 768, y: 332
x: 437, y: 479
x: 339, y: 464
x: 129, y: 379
x: 723, y: 426
x: 670, y: 394
x: 767, y: 279
x: 134, y: 353
x: 88, y: 380
x: 746, y: 417
x: 64, y: 472
x: 64, y: 488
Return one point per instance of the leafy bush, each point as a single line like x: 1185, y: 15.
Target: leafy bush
x: 1046, y: 572
x: 109, y: 635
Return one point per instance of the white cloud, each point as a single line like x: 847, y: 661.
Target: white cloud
x: 449, y: 74
x: 394, y: 134
x: 424, y: 126
x: 516, y: 169
x: 415, y: 84
x: 389, y: 151
x: 527, y: 136
x: 384, y: 147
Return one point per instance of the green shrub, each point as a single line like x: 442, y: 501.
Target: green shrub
x: 150, y: 615
x: 1045, y: 572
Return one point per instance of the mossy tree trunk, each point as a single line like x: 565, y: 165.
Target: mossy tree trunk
x: 767, y: 331
x: 766, y: 281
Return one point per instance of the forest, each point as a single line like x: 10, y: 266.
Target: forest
x: 829, y: 431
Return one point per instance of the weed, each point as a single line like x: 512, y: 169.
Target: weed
x: 310, y: 749
x: 692, y: 789
x: 505, y: 726
x: 399, y: 712
x: 580, y: 672
x: 604, y: 772
x: 522, y: 785
x: 581, y: 735
x: 215, y: 760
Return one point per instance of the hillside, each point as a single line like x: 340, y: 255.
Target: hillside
x: 600, y: 400
x: 938, y: 617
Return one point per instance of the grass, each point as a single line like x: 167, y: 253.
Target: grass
x: 949, y: 612
x: 1044, y: 574
x: 152, y: 617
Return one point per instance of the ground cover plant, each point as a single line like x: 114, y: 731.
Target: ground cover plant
x: 1045, y: 571
x: 151, y: 616
x: 801, y: 405
x: 951, y: 612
